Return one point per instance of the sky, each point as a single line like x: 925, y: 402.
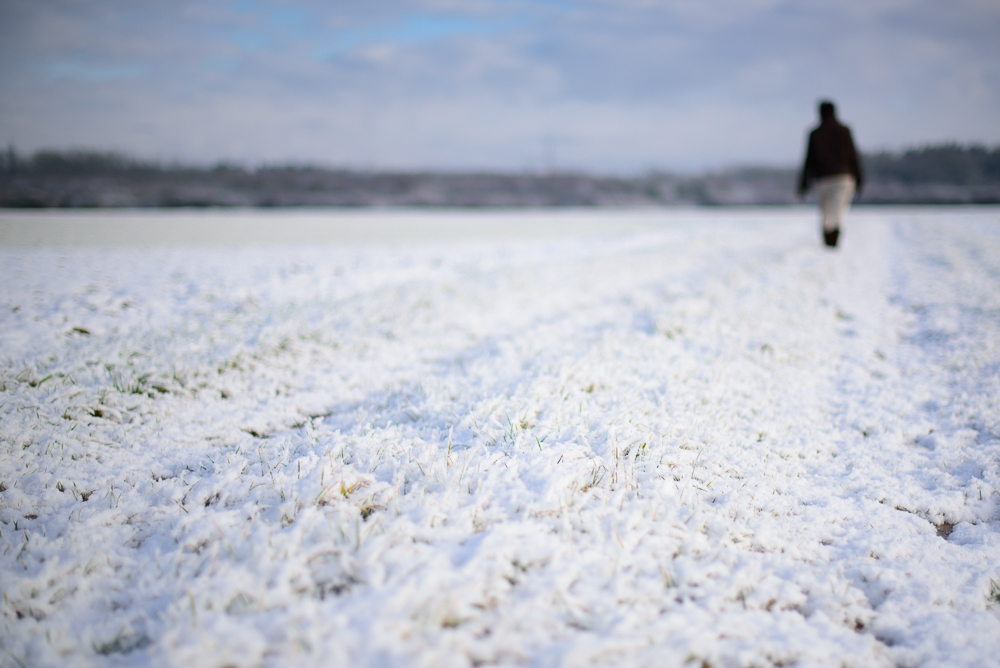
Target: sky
x: 609, y: 86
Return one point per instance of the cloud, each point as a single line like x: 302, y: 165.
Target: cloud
x: 595, y: 84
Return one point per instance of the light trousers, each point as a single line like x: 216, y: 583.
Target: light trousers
x: 834, y: 194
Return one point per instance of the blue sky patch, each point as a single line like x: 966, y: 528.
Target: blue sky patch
x: 91, y: 72
x: 415, y: 29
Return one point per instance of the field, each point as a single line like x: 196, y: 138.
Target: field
x: 653, y: 438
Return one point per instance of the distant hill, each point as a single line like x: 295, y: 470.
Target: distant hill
x: 942, y: 174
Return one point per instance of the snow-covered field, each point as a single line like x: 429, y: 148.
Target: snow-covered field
x: 680, y: 438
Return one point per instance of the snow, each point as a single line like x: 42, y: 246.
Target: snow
x: 667, y: 438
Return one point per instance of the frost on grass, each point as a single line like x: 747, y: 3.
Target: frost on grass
x: 711, y: 443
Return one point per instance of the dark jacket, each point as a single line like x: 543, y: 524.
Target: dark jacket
x: 831, y: 151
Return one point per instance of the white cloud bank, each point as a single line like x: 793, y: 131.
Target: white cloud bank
x: 494, y: 83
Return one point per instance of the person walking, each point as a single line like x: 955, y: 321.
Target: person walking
x: 832, y: 169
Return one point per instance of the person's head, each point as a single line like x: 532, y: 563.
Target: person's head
x: 827, y: 111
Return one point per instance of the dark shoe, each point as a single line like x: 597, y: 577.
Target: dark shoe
x: 831, y: 238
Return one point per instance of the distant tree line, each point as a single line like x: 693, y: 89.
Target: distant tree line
x: 945, y: 174
x: 951, y: 164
